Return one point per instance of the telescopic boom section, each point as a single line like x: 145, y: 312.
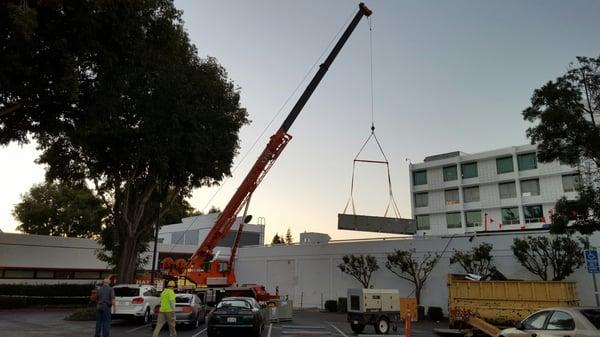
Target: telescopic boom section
x: 266, y: 160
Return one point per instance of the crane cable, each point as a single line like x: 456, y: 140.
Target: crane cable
x: 392, y: 202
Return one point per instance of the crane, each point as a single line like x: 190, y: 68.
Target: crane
x: 200, y: 268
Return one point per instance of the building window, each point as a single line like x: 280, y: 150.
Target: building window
x: 450, y: 173
x: 44, y: 274
x: 452, y: 197
x: 473, y: 218
x: 421, y: 199
x: 507, y: 190
x: 91, y: 275
x: 504, y: 165
x: 533, y: 213
x: 471, y: 194
x: 422, y: 222
x: 469, y: 170
x: 530, y: 187
x: 18, y: 273
x: 527, y: 161
x: 420, y: 177
x: 453, y: 220
x: 63, y: 275
x: 510, y: 216
x: 571, y: 182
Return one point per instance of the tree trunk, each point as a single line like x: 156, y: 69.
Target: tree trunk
x: 126, y: 265
x: 418, y: 294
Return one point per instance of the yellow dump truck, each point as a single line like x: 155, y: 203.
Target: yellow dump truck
x: 502, y: 303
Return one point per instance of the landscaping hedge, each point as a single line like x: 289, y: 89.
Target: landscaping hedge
x: 342, y: 304
x: 331, y: 305
x: 29, y: 295
x: 435, y: 313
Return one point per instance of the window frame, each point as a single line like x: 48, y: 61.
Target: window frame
x: 423, y: 216
x: 512, y: 164
x: 539, y: 313
x: 447, y: 202
x: 522, y: 155
x: 576, y: 182
x: 505, y: 184
x: 479, y: 224
x: 533, y: 220
x: 549, y: 319
x: 454, y: 226
x: 415, y: 173
x: 537, y: 180
x: 510, y: 222
x: 426, y: 194
x: 462, y: 170
x: 471, y: 188
x: 448, y: 177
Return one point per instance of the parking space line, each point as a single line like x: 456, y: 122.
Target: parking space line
x: 138, y: 328
x: 270, y: 327
x: 338, y: 330
x: 199, y: 333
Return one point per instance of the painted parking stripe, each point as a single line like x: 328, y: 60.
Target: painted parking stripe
x: 199, y: 333
x: 338, y: 330
x: 270, y: 327
x: 138, y: 328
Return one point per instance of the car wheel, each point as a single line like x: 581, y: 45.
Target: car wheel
x: 357, y: 328
x: 382, y: 327
x: 147, y: 319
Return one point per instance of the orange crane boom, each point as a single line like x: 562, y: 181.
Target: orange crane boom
x: 199, y: 269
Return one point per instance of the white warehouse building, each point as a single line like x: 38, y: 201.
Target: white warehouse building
x: 504, y: 189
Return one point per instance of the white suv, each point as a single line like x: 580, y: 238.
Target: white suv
x: 135, y: 301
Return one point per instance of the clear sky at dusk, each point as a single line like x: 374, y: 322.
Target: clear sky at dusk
x: 448, y: 75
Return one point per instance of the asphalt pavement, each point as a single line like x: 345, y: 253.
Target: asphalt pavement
x: 31, y: 323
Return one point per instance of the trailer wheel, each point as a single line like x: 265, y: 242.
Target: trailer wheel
x: 357, y: 328
x: 382, y: 327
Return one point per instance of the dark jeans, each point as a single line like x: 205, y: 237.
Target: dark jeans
x: 102, y: 320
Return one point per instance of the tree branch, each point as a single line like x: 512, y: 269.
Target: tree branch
x: 11, y: 109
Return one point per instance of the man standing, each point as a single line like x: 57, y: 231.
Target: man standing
x: 167, y: 311
x: 106, y: 299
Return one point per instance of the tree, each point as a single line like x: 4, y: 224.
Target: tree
x: 560, y: 254
x: 277, y: 239
x: 404, y: 265
x: 565, y: 113
x: 114, y: 93
x: 360, y: 267
x: 288, y: 237
x: 60, y: 210
x: 478, y: 261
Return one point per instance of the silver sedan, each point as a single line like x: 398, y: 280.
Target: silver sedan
x: 558, y: 322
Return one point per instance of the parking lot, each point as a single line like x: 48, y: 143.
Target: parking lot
x: 306, y: 322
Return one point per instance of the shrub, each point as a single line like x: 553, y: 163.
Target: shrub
x: 83, y: 314
x: 435, y: 313
x: 331, y: 305
x: 11, y: 302
x: 62, y: 289
x: 342, y: 304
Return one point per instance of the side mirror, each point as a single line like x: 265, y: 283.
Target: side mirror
x: 519, y: 326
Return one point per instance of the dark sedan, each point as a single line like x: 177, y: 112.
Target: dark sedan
x: 189, y: 310
x: 236, y: 313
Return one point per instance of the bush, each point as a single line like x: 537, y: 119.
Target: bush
x: 331, y: 305
x: 62, y: 289
x: 83, y: 314
x: 435, y: 313
x: 342, y: 304
x: 10, y: 302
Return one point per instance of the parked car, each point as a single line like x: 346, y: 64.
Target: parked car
x: 558, y: 322
x: 135, y: 301
x: 236, y: 313
x: 189, y: 310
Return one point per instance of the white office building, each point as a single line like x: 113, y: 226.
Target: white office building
x: 498, y: 190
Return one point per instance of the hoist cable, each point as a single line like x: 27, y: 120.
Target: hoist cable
x: 392, y: 202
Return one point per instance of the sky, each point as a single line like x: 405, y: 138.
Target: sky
x: 447, y: 76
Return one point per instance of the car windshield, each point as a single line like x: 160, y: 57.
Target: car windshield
x: 593, y: 315
x: 234, y: 303
x: 126, y: 292
x: 183, y: 299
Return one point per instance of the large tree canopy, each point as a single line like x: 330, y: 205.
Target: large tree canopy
x: 60, y: 210
x: 566, y: 113
x: 114, y: 93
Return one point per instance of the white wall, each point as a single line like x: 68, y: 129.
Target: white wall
x: 304, y: 272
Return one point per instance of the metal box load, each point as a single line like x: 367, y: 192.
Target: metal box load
x: 380, y: 224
